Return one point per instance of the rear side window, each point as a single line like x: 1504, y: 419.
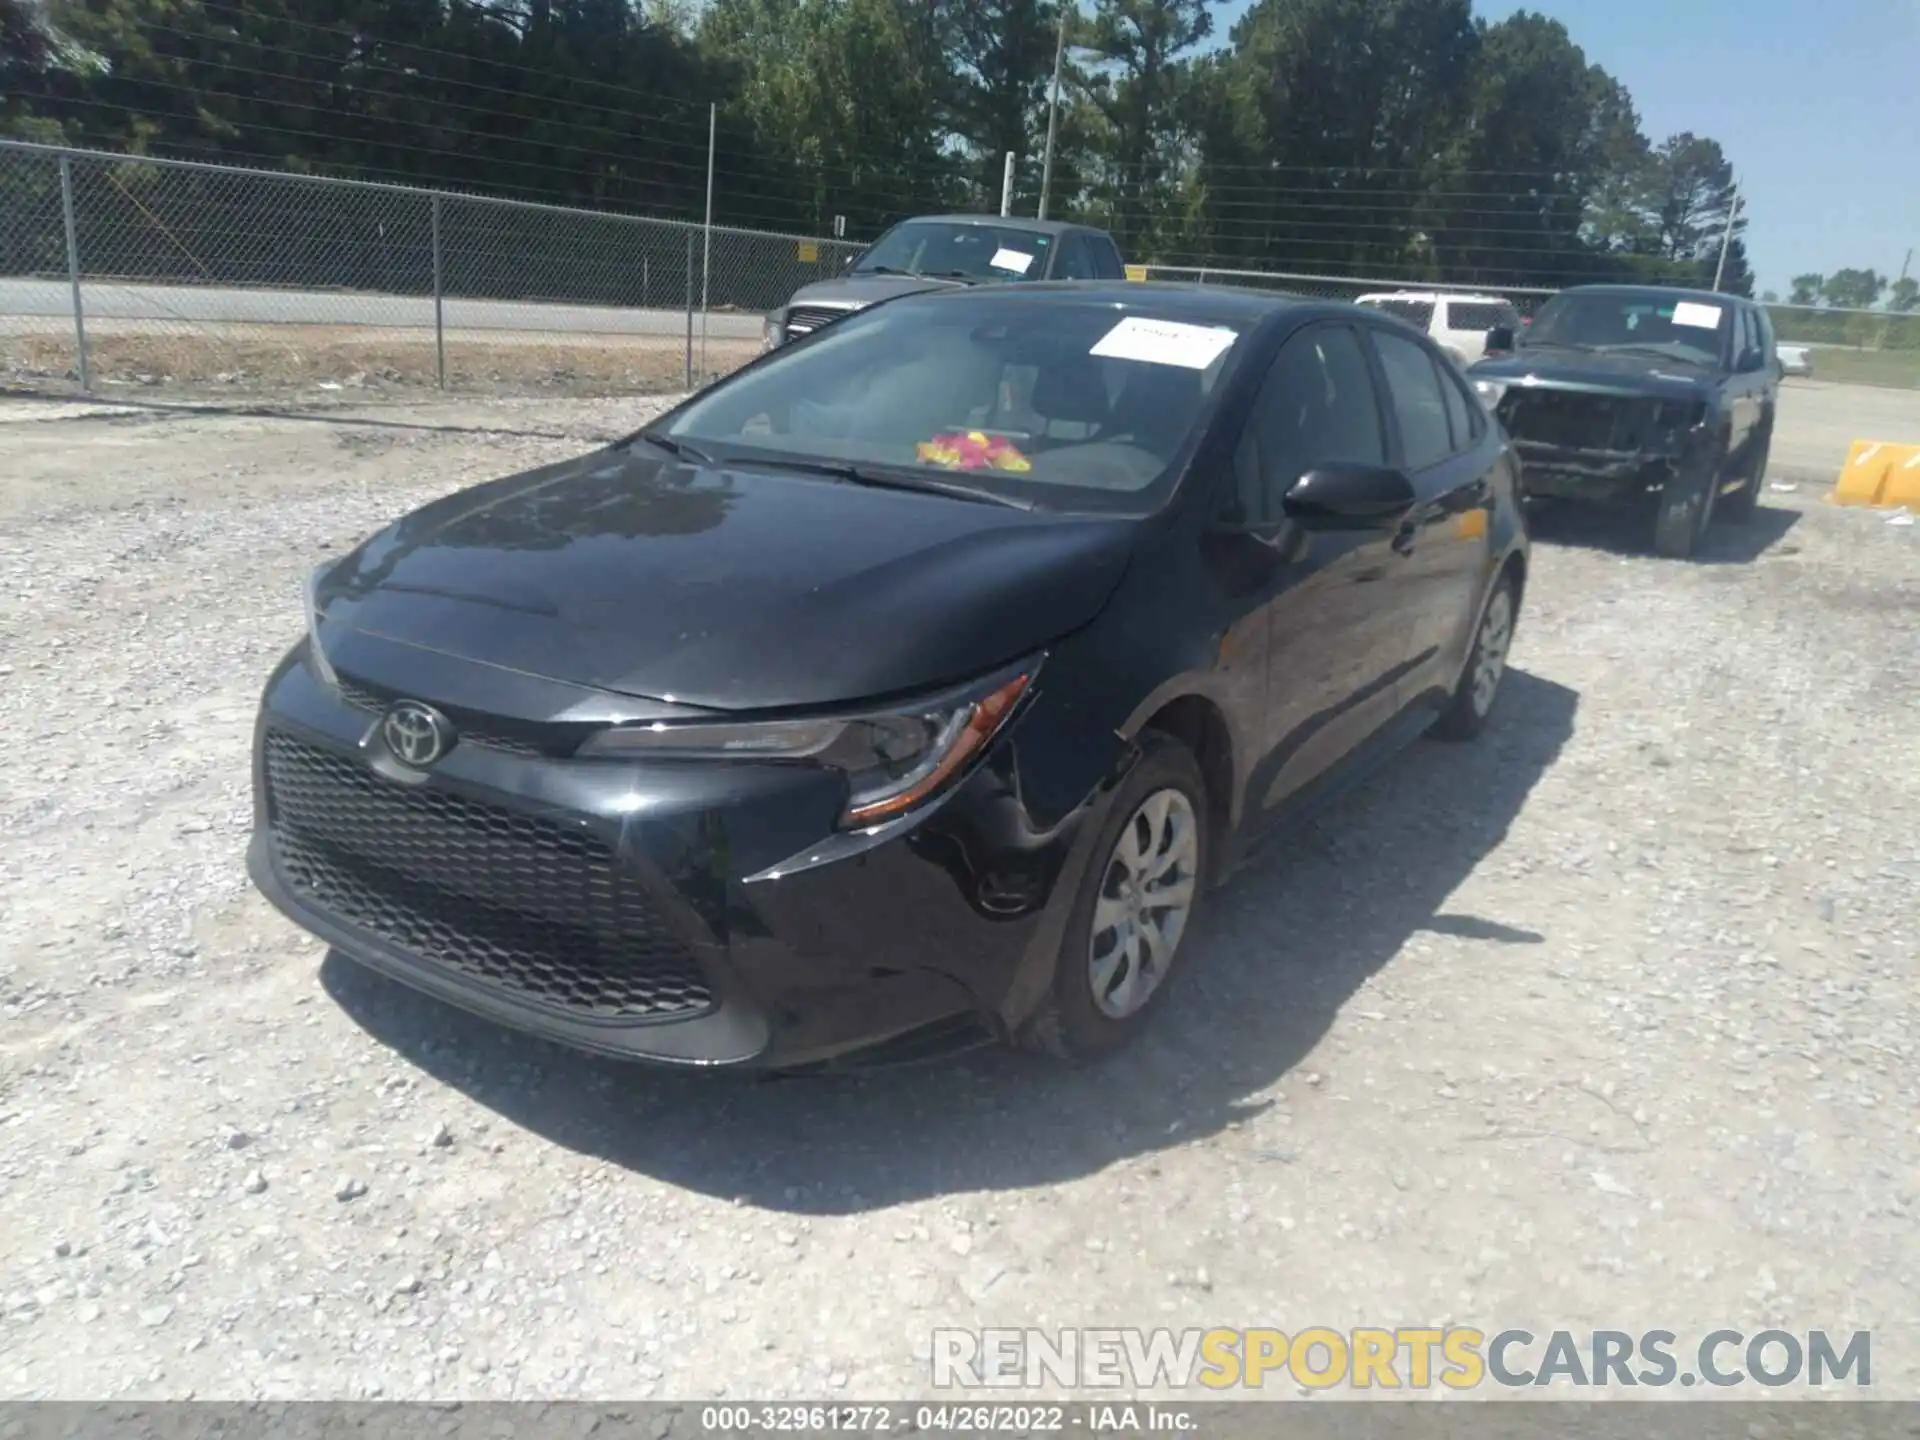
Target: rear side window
x: 1417, y: 313
x: 1474, y: 315
x: 1462, y: 417
x: 1106, y: 258
x: 1413, y: 383
x: 1075, y: 260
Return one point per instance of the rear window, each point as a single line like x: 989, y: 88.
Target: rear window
x: 1417, y: 313
x: 1070, y: 405
x: 1471, y: 315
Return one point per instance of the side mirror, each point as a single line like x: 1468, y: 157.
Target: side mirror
x: 1499, y: 339
x: 1349, y: 497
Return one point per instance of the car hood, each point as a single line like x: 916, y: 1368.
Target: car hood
x: 721, y: 587
x: 858, y: 291
x: 1599, y: 374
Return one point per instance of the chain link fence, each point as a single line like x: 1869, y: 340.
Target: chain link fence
x: 126, y: 272
x: 120, y: 271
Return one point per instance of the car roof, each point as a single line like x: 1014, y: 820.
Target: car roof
x: 1005, y: 222
x: 1218, y: 304
x: 1678, y: 292
x: 1471, y: 297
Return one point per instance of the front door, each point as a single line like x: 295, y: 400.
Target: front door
x: 1446, y: 544
x: 1340, y: 607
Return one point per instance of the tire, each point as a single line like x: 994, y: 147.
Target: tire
x: 1074, y: 1023
x: 1472, y: 704
x: 1684, y: 510
x: 1740, y: 505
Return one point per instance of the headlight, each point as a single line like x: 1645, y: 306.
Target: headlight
x: 316, y: 656
x: 892, y: 762
x: 774, y: 331
x: 1490, y: 391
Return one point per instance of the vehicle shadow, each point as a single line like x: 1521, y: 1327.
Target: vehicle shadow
x: 1268, y: 966
x: 1626, y: 530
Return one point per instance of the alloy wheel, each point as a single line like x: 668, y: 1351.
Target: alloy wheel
x: 1496, y: 634
x: 1145, y: 898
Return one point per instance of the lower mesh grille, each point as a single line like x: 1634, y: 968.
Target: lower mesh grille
x: 518, y: 902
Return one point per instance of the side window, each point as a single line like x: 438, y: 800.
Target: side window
x: 1317, y: 406
x: 1075, y: 263
x: 1413, y: 385
x: 1106, y: 259
x: 1462, y: 417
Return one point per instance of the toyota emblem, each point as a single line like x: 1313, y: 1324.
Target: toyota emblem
x: 416, y: 733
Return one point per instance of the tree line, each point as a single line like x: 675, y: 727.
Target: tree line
x: 1401, y: 140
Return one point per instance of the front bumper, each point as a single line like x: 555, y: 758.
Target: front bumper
x: 1564, y: 472
x: 676, y: 912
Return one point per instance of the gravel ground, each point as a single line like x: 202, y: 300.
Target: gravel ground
x: 1606, y: 1021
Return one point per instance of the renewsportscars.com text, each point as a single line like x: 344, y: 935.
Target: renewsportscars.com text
x: 1407, y: 1358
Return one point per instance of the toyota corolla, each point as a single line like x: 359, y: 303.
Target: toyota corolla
x: 916, y: 681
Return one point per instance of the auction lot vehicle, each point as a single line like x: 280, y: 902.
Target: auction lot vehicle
x: 1628, y: 394
x: 933, y: 252
x: 918, y: 679
x: 1459, y: 324
x: 1795, y: 359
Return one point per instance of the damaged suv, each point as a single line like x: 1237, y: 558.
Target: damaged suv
x: 1641, y: 395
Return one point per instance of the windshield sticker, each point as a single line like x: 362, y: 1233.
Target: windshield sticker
x: 1689, y: 312
x: 1017, y: 261
x: 973, y: 450
x: 1165, y: 342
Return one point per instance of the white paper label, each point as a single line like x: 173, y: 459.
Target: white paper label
x: 1015, y: 260
x: 1165, y: 342
x: 1690, y: 312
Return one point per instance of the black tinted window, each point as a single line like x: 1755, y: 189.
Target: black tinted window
x: 1106, y: 258
x: 1076, y: 260
x: 1417, y: 313
x: 1317, y: 405
x: 1467, y: 315
x: 1413, y: 383
x: 1461, y: 413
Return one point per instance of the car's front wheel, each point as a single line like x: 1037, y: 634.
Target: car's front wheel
x: 1684, y: 509
x: 1133, y: 909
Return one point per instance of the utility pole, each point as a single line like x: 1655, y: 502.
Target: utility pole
x: 1006, y: 187
x: 1726, y: 238
x: 1053, y: 111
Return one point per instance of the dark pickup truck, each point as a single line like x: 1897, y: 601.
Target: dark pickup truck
x: 1638, y: 395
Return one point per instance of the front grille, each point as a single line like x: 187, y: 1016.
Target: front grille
x: 1570, y: 419
x: 805, y: 319
x: 485, y: 731
x: 518, y: 902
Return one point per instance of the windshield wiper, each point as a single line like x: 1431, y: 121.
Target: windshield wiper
x: 878, y: 270
x: 1552, y: 345
x: 962, y: 276
x: 892, y: 480
x: 1670, y: 350
x: 679, y: 449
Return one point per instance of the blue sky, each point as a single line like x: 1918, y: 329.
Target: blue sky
x: 1814, y: 101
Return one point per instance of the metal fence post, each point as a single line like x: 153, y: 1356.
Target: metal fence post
x: 439, y: 320
x: 73, y: 272
x: 689, y: 309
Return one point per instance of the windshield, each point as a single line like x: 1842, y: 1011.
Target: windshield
x: 1693, y: 330
x: 968, y: 251
x: 1065, y: 404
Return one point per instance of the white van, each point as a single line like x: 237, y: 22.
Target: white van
x: 1457, y: 323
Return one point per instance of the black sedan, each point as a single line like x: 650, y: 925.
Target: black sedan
x: 921, y: 676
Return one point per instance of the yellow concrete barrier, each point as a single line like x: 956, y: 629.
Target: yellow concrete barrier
x: 1136, y: 273
x: 1879, y: 473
